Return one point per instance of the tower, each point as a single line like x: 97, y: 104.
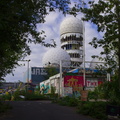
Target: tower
x: 71, y: 37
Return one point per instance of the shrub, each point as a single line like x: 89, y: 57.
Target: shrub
x: 73, y: 101
x: 68, y: 101
x: 33, y: 96
x: 6, y: 97
x: 16, y: 96
x: 93, y: 109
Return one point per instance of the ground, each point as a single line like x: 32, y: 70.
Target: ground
x: 42, y: 110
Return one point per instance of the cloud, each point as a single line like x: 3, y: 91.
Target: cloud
x: 52, y: 30
x: 90, y: 32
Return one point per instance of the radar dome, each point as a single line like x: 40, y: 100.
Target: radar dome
x: 71, y: 25
x: 54, y: 56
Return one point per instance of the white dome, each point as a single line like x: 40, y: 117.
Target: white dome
x: 95, y: 62
x: 71, y: 25
x: 54, y: 56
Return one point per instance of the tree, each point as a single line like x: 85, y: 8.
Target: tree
x: 18, y: 23
x: 51, y: 71
x: 106, y: 16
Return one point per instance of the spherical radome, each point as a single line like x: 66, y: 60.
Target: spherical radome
x: 54, y: 56
x: 71, y: 25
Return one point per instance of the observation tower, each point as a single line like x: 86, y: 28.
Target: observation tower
x: 71, y: 37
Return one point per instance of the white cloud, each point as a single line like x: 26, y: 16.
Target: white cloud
x: 51, y: 28
x: 90, y: 32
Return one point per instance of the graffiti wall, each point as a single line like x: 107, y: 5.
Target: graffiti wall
x: 93, y: 83
x: 44, y: 89
x: 73, y: 82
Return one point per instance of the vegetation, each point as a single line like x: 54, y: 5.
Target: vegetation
x: 106, y: 16
x: 93, y: 109
x: 109, y: 91
x: 51, y: 71
x: 33, y: 94
x: 67, y: 101
x: 19, y: 20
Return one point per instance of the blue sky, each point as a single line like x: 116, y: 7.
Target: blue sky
x: 52, y: 31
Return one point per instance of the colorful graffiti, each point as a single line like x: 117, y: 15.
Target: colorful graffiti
x: 68, y: 91
x: 44, y: 89
x: 93, y: 83
x: 74, y: 82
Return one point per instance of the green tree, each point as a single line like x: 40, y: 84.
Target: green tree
x: 18, y: 23
x: 106, y: 16
x: 51, y: 71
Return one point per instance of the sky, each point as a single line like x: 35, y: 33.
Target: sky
x: 52, y: 31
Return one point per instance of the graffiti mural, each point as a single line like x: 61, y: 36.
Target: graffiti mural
x: 68, y: 91
x: 44, y: 89
x: 74, y: 82
x: 93, y: 83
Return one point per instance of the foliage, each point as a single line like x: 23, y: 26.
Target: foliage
x: 68, y: 101
x: 16, y: 96
x: 93, y: 109
x: 19, y: 20
x: 51, y: 71
x: 97, y: 93
x: 106, y: 16
x: 6, y: 97
x: 93, y: 95
x: 109, y: 90
x: 28, y: 95
x: 33, y: 96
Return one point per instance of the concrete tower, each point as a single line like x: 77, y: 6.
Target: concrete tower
x: 71, y: 36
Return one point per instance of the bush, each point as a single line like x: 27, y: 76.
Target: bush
x: 33, y: 96
x: 16, y: 96
x: 93, y: 109
x: 6, y: 97
x: 68, y: 101
x: 73, y: 102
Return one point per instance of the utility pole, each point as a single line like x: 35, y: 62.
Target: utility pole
x: 60, y: 81
x: 28, y: 71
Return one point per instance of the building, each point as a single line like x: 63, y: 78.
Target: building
x: 71, y: 37
x: 39, y: 74
x: 35, y: 75
x: 68, y: 59
x: 72, y: 82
